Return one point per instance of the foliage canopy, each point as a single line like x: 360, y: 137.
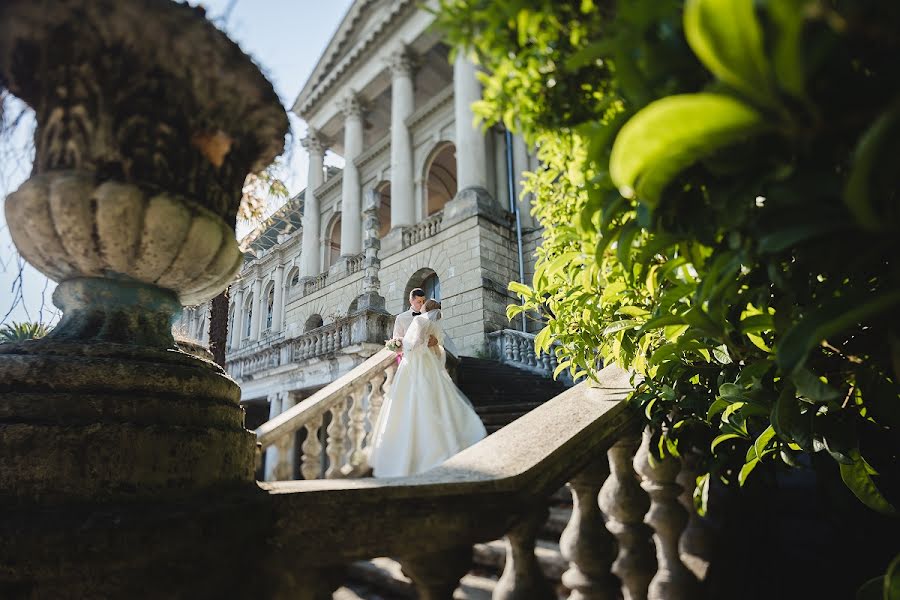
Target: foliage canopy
x: 718, y: 188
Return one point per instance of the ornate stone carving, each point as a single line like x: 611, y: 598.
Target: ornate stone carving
x: 401, y: 63
x: 673, y: 581
x: 314, y: 142
x: 351, y: 106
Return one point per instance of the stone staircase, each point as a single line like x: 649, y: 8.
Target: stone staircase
x: 502, y: 393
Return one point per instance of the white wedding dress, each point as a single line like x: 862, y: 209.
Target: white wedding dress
x: 425, y: 419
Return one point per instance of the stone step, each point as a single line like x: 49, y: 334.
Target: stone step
x: 383, y: 579
x: 492, y: 555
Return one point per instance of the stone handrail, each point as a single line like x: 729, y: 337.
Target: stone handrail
x: 337, y: 421
x: 424, y: 230
x: 322, y: 340
x: 429, y: 522
x: 516, y: 348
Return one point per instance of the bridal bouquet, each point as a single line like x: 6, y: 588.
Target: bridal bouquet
x: 393, y: 344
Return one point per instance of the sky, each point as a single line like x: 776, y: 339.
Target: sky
x: 284, y: 37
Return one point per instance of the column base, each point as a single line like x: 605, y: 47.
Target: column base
x: 474, y: 201
x: 108, y: 422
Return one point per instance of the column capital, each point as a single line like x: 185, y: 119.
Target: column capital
x: 314, y: 142
x: 351, y: 106
x: 401, y: 62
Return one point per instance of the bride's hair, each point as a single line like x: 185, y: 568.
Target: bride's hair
x: 433, y: 307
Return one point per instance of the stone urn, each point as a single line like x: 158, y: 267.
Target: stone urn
x: 148, y: 121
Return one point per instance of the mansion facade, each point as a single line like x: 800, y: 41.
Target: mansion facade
x: 426, y: 198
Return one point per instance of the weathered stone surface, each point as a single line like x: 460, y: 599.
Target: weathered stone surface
x: 66, y: 226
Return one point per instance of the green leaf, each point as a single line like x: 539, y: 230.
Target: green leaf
x: 632, y: 311
x: 834, y: 318
x: 542, y: 341
x: 721, y: 354
x: 787, y: 60
x: 561, y: 367
x: 724, y: 438
x: 671, y: 134
x: 862, y: 189
x: 789, y: 421
x: 716, y: 407
x: 759, y: 446
x: 810, y: 386
x: 514, y: 310
x: 519, y: 288
x: 617, y: 326
x: 726, y: 37
x: 857, y: 478
x: 746, y: 470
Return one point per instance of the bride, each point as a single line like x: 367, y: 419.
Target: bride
x: 425, y: 419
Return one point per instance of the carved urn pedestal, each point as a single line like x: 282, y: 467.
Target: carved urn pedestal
x: 127, y: 471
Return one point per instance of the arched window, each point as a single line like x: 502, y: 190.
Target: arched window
x: 440, y: 177
x: 294, y: 276
x: 231, y: 310
x: 248, y: 312
x: 384, y: 211
x: 270, y: 305
x: 333, y: 247
x: 313, y: 322
x: 432, y: 287
x: 426, y: 279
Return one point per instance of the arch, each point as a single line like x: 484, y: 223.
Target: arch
x: 248, y: 315
x: 440, y: 177
x: 232, y: 309
x: 353, y: 306
x: 293, y: 276
x: 333, y: 241
x: 425, y: 278
x: 313, y: 322
x: 384, y: 210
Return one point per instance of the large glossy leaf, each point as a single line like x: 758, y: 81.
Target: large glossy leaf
x: 726, y: 37
x: 871, y: 187
x: 673, y: 133
x: 857, y: 478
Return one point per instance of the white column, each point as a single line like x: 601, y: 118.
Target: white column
x: 238, y: 320
x: 309, y: 254
x: 351, y: 218
x: 277, y: 303
x: 272, y: 451
x: 403, y: 210
x: 471, y: 150
x: 255, y: 315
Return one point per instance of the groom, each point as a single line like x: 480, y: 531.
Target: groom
x: 405, y: 319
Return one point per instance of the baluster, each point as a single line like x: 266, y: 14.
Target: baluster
x: 546, y: 363
x: 586, y: 543
x: 695, y: 545
x: 336, y: 448
x: 522, y: 578
x: 376, y: 399
x: 284, y: 465
x: 531, y: 360
x: 624, y: 503
x: 311, y: 463
x: 436, y: 575
x: 356, y: 462
x: 516, y: 350
x: 673, y: 581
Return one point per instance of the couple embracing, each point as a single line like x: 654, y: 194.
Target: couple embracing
x: 425, y: 418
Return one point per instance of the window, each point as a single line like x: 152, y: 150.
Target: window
x: 270, y: 304
x: 432, y: 287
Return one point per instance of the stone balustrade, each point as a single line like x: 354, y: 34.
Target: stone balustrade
x: 424, y: 230
x: 586, y: 436
x: 366, y: 326
x: 516, y: 348
x: 337, y: 421
x: 355, y: 263
x: 314, y: 284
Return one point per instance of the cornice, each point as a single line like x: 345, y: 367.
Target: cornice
x: 434, y: 104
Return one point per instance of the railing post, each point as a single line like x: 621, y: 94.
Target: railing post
x: 673, y: 581
x: 522, y: 578
x: 311, y: 463
x: 356, y: 430
x: 694, y: 547
x: 437, y: 575
x: 336, y: 448
x: 624, y: 503
x: 586, y: 543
